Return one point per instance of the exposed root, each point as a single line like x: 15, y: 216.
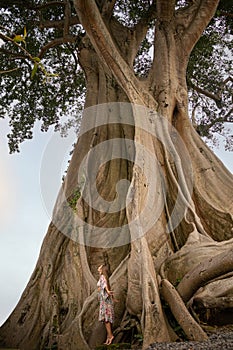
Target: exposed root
x: 204, y: 272
x: 180, y: 312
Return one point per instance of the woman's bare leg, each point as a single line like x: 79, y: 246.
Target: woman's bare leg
x: 110, y: 336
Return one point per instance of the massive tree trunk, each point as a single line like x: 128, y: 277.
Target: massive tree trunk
x: 146, y: 242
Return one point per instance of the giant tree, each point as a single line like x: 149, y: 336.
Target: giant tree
x: 143, y: 193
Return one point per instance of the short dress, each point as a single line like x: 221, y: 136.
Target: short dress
x: 106, y: 311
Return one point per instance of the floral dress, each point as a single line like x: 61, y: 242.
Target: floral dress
x: 106, y: 311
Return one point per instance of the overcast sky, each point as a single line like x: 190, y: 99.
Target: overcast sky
x: 24, y: 217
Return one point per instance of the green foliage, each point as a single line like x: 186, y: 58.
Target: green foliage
x: 50, y: 89
x: 211, y: 85
x: 129, y: 12
x: 49, y: 86
x: 224, y: 15
x: 74, y: 199
x: 21, y: 38
x: 143, y: 59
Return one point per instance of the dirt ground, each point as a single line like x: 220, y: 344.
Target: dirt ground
x: 219, y: 339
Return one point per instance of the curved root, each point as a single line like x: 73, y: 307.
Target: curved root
x: 180, y: 312
x: 204, y: 272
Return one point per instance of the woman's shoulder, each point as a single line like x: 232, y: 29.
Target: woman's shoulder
x: 102, y: 277
x: 103, y: 280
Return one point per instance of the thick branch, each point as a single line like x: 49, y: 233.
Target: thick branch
x: 106, y: 48
x: 108, y: 7
x: 141, y: 28
x: 135, y: 35
x: 165, y: 9
x: 67, y: 18
x: 203, y: 11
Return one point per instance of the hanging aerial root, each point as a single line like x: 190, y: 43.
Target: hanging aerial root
x: 191, y: 328
x: 204, y: 272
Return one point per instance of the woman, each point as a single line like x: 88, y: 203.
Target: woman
x: 106, y: 311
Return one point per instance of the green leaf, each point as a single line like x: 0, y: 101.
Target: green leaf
x: 24, y: 32
x: 34, y: 70
x: 36, y: 59
x: 18, y: 38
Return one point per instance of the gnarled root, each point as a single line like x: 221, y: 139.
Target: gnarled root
x: 191, y: 328
x: 204, y: 272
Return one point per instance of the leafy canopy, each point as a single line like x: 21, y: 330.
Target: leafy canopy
x: 42, y: 80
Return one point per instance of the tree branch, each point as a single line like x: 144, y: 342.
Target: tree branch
x: 29, y: 4
x: 141, y: 28
x: 216, y: 97
x: 226, y: 117
x: 7, y: 38
x: 48, y: 4
x: 53, y: 43
x: 199, y: 15
x: 67, y: 14
x: 57, y: 42
x: 74, y: 56
x: 165, y: 9
x: 108, y: 7
x: 8, y: 70
x: 15, y: 54
x: 9, y: 3
x: 131, y: 38
x: 226, y: 14
x: 204, y: 128
x: 106, y: 48
x: 209, y: 94
x: 226, y: 81
x: 57, y: 24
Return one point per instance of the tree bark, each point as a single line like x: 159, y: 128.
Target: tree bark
x: 205, y: 271
x: 180, y: 312
x: 191, y: 192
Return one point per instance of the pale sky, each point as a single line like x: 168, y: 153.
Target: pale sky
x: 24, y: 219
